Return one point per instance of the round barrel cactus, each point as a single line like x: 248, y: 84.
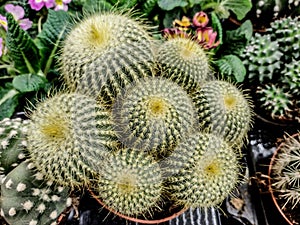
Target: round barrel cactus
x: 130, y: 182
x: 202, y: 171
x: 153, y: 114
x: 223, y: 109
x: 183, y: 61
x: 68, y: 134
x: 105, y: 51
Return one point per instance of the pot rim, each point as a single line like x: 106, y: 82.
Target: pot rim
x: 270, y: 180
x: 137, y: 220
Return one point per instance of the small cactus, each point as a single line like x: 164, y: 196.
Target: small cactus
x: 153, y: 115
x: 104, y: 52
x: 286, y: 31
x: 130, y: 182
x: 184, y: 61
x: 262, y: 58
x: 68, y: 134
x: 12, y: 143
x: 27, y: 198
x: 272, y: 60
x: 275, y: 100
x: 285, y: 170
x: 223, y: 109
x: 202, y: 171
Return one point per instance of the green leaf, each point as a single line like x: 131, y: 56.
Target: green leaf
x: 22, y: 49
x: 9, y: 100
x: 28, y: 82
x: 53, y: 32
x: 239, y: 7
x: 171, y: 4
x: 237, y: 40
x: 91, y: 5
x: 148, y: 6
x: 230, y: 66
x: 217, y: 26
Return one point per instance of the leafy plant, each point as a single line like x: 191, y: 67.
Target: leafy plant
x: 30, y: 62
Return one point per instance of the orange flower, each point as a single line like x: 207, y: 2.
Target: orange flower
x: 184, y: 23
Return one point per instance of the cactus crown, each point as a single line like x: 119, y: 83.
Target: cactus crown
x: 153, y: 114
x: 104, y: 52
x: 184, y: 61
x: 130, y: 182
x: 202, y: 170
x: 285, y: 170
x: 66, y: 125
x: 223, y: 109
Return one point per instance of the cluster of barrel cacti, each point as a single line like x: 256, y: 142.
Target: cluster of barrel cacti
x: 139, y: 122
x: 272, y: 59
x: 285, y: 170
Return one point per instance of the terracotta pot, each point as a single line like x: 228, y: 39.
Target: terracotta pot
x: 139, y: 220
x: 273, y: 196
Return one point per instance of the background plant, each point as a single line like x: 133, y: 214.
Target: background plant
x: 285, y: 171
x: 271, y: 60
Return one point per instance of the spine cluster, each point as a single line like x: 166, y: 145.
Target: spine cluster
x: 285, y: 170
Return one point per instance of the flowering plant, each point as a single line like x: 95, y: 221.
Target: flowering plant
x: 30, y: 36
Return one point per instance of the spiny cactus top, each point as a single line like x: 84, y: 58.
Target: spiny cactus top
x: 130, y: 182
x: 223, y: 109
x: 105, y: 51
x: 184, y: 61
x: 153, y: 114
x: 67, y: 136
x: 286, y: 31
x: 28, y: 198
x: 202, y: 171
x: 262, y: 57
x: 12, y: 143
x: 286, y: 168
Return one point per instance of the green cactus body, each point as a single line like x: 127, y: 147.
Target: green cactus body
x: 262, y: 58
x: 153, y: 114
x: 291, y: 78
x: 183, y: 61
x: 12, y: 143
x: 67, y: 136
x: 285, y: 170
x: 275, y: 100
x: 130, y: 182
x: 104, y: 52
x: 27, y: 198
x: 223, y: 109
x: 202, y: 171
x: 286, y: 32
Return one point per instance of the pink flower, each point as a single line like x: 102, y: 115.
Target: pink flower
x: 207, y: 37
x: 38, y: 4
x: 18, y: 13
x: 3, y: 22
x: 200, y: 19
x: 1, y: 46
x: 61, y: 5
